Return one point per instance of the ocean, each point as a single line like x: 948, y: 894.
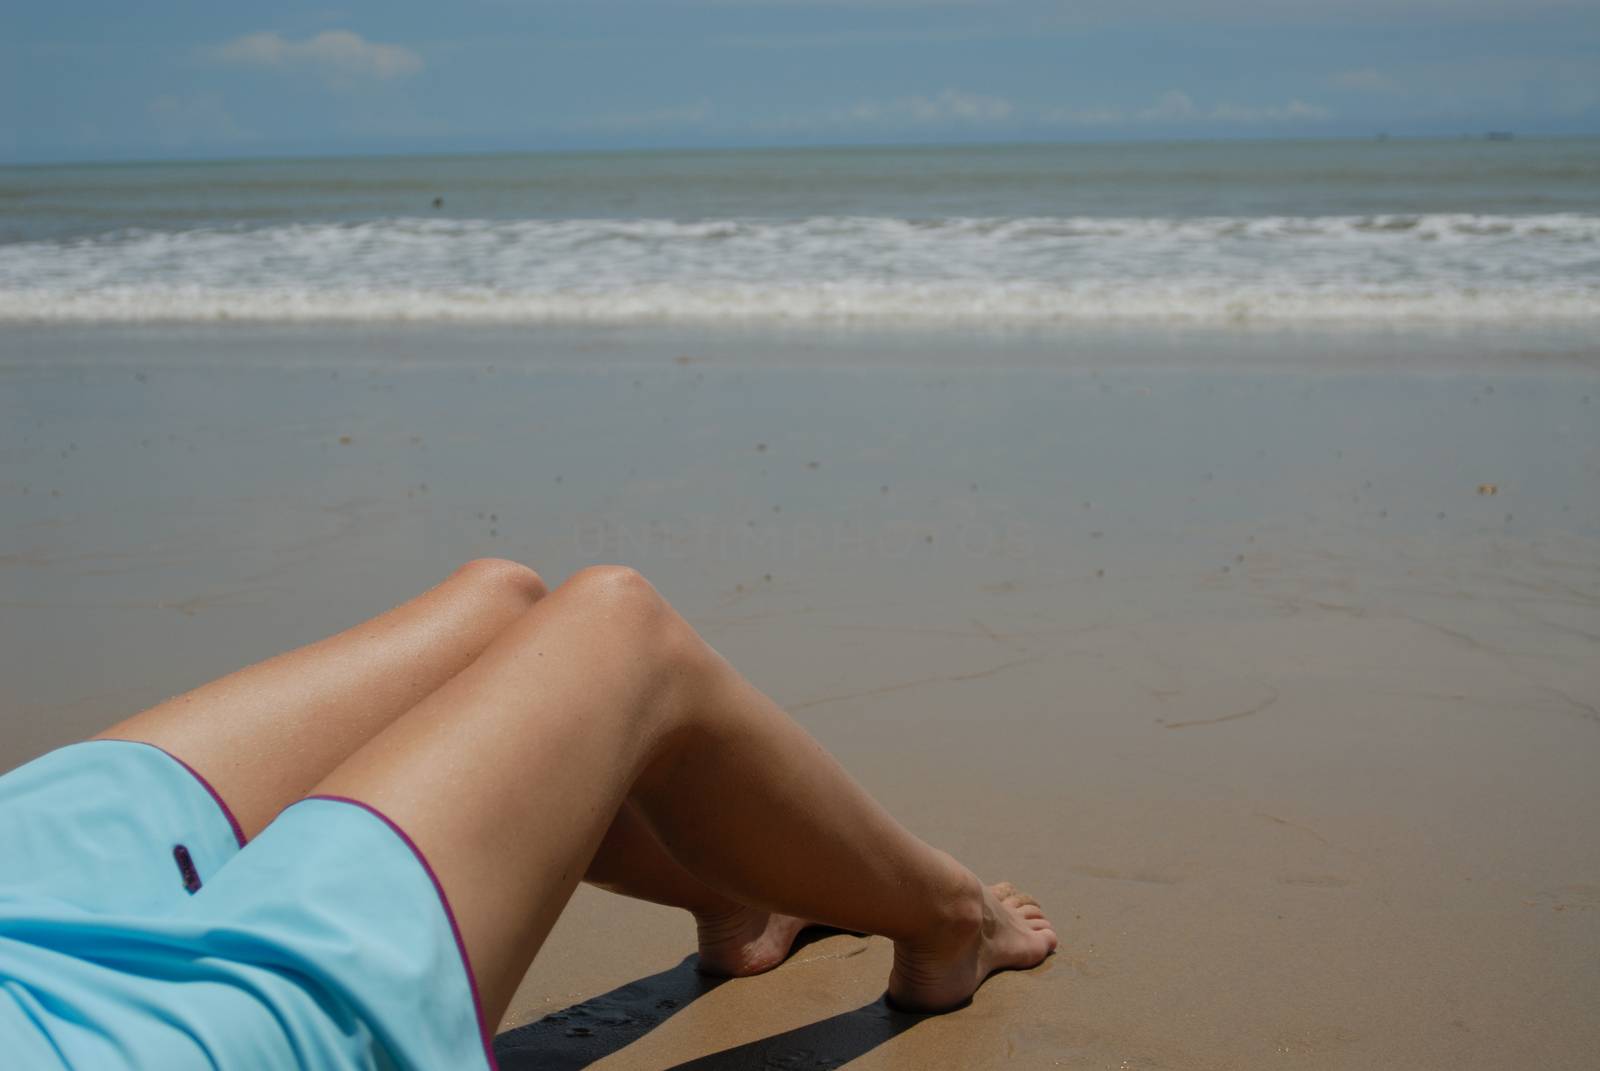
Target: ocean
x: 1461, y: 233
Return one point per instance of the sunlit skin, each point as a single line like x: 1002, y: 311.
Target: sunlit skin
x: 595, y: 716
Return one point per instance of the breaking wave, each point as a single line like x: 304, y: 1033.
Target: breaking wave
x: 993, y: 271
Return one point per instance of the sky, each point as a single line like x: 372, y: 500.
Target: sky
x: 104, y: 80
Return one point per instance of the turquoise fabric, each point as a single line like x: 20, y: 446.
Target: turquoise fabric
x: 325, y: 943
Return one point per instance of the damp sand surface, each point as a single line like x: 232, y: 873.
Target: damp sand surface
x: 1272, y: 674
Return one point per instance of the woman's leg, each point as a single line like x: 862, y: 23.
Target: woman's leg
x: 263, y: 736
x: 510, y: 776
x: 735, y: 939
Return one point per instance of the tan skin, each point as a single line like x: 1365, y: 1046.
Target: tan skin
x: 485, y: 708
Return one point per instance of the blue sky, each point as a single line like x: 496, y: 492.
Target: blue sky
x: 113, y: 80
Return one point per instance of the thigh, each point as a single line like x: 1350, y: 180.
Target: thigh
x: 509, y: 776
x: 110, y: 826
x: 335, y: 919
x: 325, y: 943
x: 265, y: 734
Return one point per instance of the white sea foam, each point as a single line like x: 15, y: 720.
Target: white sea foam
x: 1439, y: 268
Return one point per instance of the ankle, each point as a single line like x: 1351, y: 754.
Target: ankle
x: 719, y: 922
x: 956, y: 910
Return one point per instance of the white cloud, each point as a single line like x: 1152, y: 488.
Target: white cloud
x: 1169, y: 106
x: 1365, y: 80
x: 336, y: 54
x: 1175, y: 106
x: 946, y: 106
x: 1295, y: 109
x: 1082, y: 116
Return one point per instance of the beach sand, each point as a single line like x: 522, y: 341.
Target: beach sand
x: 1272, y: 675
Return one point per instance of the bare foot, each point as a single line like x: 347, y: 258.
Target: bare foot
x: 745, y: 941
x: 1002, y: 929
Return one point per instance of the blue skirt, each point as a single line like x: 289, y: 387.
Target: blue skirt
x: 138, y: 931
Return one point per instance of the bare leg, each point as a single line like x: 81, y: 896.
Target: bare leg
x: 267, y: 733
x: 735, y: 939
x: 264, y: 735
x: 601, y: 693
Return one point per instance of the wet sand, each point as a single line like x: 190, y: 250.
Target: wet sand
x: 1274, y: 679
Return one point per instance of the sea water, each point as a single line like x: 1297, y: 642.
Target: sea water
x: 1467, y: 232
x: 1328, y: 232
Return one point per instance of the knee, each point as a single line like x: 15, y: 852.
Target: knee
x: 634, y: 627
x: 504, y: 579
x: 630, y: 605
x: 616, y: 590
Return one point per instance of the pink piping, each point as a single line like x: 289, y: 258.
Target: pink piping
x: 227, y: 812
x: 455, y: 930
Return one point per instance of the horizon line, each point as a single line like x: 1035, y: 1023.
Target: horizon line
x: 1496, y: 135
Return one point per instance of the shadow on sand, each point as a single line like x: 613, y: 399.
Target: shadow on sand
x: 586, y: 1033
x: 833, y: 1042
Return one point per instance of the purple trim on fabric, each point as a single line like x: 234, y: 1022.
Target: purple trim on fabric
x: 227, y: 812
x: 484, y: 1033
